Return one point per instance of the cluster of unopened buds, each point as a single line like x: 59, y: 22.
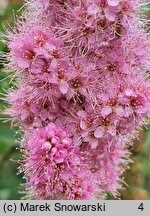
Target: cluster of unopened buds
x: 81, y: 92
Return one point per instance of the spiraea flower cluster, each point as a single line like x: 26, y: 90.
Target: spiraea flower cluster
x: 81, y: 93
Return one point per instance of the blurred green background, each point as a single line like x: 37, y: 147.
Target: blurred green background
x: 137, y: 177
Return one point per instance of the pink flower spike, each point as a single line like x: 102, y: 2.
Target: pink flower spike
x: 79, y: 95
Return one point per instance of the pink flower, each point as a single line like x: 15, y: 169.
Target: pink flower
x: 25, y: 47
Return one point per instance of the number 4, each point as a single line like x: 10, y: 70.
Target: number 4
x: 141, y: 207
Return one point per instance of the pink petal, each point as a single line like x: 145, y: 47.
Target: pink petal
x: 142, y: 110
x: 83, y: 125
x: 44, y: 115
x: 120, y: 111
x: 64, y: 87
x: 106, y: 111
x: 113, y: 2
x: 46, y: 145
x: 93, y: 9
x: 129, y: 92
x: 67, y: 141
x: 82, y: 114
x: 128, y: 111
x: 112, y: 130
x: 99, y: 132
x: 94, y: 143
x: 54, y: 64
x: 33, y: 108
x: 70, y: 94
x: 51, y: 47
x: 111, y: 16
